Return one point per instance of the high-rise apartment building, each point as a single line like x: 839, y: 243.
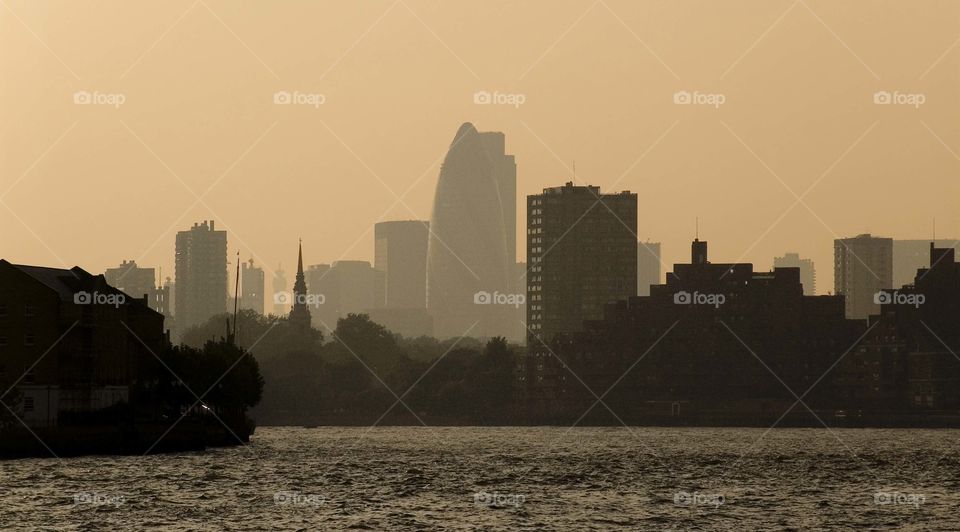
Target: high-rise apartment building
x: 581, y: 255
x: 863, y: 266
x: 201, y: 274
x: 251, y: 287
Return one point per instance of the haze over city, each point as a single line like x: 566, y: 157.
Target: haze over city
x: 597, y: 82
x: 450, y: 265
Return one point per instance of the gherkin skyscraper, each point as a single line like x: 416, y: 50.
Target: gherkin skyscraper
x: 471, y: 253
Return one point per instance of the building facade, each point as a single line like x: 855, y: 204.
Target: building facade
x: 717, y: 342
x: 341, y: 288
x: 863, y: 266
x: 70, y: 343
x: 912, y: 255
x: 201, y: 274
x: 648, y: 266
x: 581, y: 255
x: 252, y: 287
x: 808, y: 273
x: 400, y: 252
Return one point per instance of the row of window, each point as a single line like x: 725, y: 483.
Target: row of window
x: 28, y: 310
x: 29, y: 340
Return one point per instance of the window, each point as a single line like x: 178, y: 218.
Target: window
x: 3, y: 310
x: 3, y: 341
x: 28, y: 378
x: 28, y: 404
x: 29, y: 310
x: 29, y: 339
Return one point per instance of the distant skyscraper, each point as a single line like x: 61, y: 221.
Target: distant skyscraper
x: 346, y: 286
x: 251, y: 287
x: 300, y: 314
x: 582, y: 254
x: 400, y: 252
x: 280, y: 305
x: 911, y: 255
x: 808, y: 274
x: 471, y: 248
x: 133, y: 280
x: 863, y: 266
x: 170, y: 292
x: 648, y: 266
x: 201, y: 274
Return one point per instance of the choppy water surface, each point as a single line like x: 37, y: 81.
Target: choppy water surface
x: 525, y: 478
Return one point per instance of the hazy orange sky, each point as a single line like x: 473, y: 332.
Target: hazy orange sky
x: 198, y: 135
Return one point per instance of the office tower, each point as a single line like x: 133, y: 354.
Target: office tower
x: 648, y: 266
x: 299, y: 313
x: 863, y: 265
x: 912, y: 255
x: 201, y: 274
x: 472, y: 244
x: 251, y: 287
x: 400, y: 252
x: 133, y: 280
x: 345, y: 287
x: 505, y: 175
x: 808, y: 273
x: 582, y: 254
x: 280, y: 305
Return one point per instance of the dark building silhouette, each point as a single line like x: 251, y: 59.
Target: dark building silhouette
x: 299, y: 313
x: 472, y: 245
x: 911, y: 255
x: 251, y: 287
x: 400, y: 252
x: 70, y: 343
x: 907, y: 361
x: 716, y: 344
x: 808, y: 273
x: 201, y: 274
x: 863, y: 265
x: 582, y: 254
x: 648, y: 266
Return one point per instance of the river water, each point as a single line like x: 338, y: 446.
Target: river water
x: 419, y: 478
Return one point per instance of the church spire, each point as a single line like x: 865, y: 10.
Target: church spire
x: 300, y: 314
